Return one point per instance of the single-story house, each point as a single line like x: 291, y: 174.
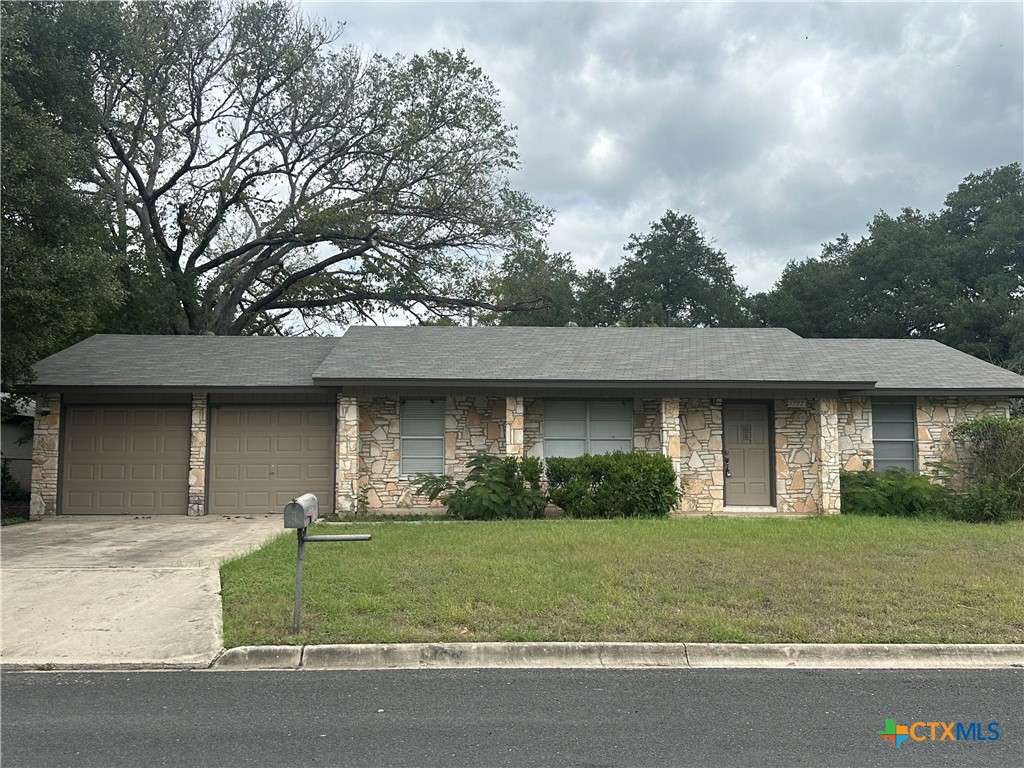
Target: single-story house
x: 756, y: 421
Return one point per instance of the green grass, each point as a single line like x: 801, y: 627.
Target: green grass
x: 699, y: 580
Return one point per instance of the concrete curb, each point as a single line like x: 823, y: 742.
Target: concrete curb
x: 619, y: 656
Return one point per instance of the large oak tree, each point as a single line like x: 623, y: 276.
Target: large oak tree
x: 266, y: 176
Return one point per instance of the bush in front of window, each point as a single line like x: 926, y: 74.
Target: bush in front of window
x: 496, y: 488
x: 893, y: 493
x: 613, y: 485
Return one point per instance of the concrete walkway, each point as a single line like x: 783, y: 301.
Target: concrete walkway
x: 108, y: 591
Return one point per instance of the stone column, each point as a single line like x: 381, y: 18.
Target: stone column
x: 45, y: 456
x: 346, y: 456
x: 515, y: 421
x: 197, y: 456
x: 671, y: 438
x: 827, y: 456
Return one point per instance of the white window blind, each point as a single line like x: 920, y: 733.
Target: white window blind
x: 573, y: 428
x: 893, y: 429
x: 421, y: 429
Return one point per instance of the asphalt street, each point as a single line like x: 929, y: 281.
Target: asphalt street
x: 561, y: 717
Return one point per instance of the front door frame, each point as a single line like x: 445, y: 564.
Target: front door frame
x: 770, y: 406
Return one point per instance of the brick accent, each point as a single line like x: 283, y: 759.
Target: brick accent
x: 197, y: 455
x: 347, y: 455
x: 45, y: 456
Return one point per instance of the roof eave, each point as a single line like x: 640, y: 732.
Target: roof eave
x: 528, y: 384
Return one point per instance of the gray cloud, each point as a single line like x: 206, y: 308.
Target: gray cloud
x: 777, y: 125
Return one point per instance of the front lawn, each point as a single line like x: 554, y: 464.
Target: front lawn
x: 876, y: 580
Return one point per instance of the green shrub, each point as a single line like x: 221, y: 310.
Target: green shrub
x: 990, y: 455
x: 893, y: 493
x: 10, y: 488
x: 984, y: 504
x: 496, y: 488
x: 628, y: 484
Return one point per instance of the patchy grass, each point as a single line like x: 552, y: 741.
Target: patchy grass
x: 700, y: 580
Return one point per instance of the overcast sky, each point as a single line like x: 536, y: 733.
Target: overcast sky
x: 777, y: 125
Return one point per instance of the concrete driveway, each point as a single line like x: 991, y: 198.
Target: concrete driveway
x: 119, y: 591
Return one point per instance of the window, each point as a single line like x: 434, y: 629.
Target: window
x: 421, y: 429
x: 893, y: 427
x: 574, y: 428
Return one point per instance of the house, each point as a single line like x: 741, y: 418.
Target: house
x: 754, y: 420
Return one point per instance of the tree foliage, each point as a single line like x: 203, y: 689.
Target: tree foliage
x: 257, y: 172
x: 956, y: 276
x: 59, y: 271
x: 673, y: 276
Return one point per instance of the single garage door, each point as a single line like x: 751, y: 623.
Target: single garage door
x: 125, y: 460
x: 261, y: 457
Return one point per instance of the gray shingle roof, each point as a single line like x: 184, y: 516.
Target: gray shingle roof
x: 539, y: 356
x: 913, y: 364
x: 185, y: 361
x: 547, y: 355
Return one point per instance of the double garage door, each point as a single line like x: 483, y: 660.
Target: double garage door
x: 135, y: 459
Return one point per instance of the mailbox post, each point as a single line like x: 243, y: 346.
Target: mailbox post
x: 300, y: 513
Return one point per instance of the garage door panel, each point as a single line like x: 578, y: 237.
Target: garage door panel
x: 257, y: 445
x: 289, y: 418
x: 288, y: 472
x: 264, y: 456
x: 256, y: 471
x: 291, y: 444
x: 174, y: 472
x: 257, y: 418
x: 227, y: 445
x: 320, y: 419
x: 114, y: 417
x: 81, y: 471
x: 226, y: 472
x: 125, y: 460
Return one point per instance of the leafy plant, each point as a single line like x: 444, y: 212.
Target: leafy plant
x: 893, y: 493
x: 10, y: 488
x: 990, y: 453
x: 495, y: 488
x: 627, y: 484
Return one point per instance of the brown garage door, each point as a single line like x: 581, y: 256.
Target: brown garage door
x: 125, y: 461
x: 261, y: 457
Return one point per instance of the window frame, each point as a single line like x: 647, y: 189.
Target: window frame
x: 587, y: 438
x: 403, y: 438
x: 912, y: 440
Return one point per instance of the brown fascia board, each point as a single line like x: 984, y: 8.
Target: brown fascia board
x: 590, y: 384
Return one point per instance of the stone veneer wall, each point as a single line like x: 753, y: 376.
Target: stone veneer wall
x: 826, y: 455
x: 700, y: 456
x: 856, y: 446
x: 936, y: 416
x: 473, y: 424
x: 45, y: 456
x: 647, y: 425
x: 797, y: 481
x: 197, y: 455
x: 533, y: 428
x: 347, y: 455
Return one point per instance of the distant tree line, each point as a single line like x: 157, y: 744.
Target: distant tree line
x: 956, y: 276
